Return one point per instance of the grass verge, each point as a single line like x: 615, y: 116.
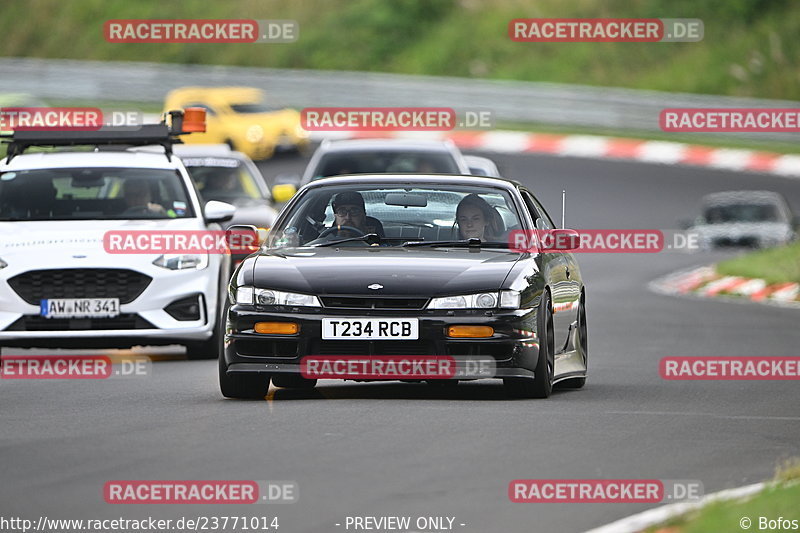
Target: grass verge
x: 776, y: 502
x: 749, y: 48
x: 774, y: 265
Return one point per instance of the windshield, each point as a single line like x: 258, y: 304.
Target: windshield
x: 398, y: 215
x: 723, y: 214
x: 386, y: 162
x: 222, y: 179
x: 93, y: 194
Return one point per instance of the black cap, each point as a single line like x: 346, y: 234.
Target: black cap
x: 348, y: 198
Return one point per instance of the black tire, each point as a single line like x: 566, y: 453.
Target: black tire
x: 582, y: 346
x: 293, y: 381
x: 244, y: 386
x: 542, y: 384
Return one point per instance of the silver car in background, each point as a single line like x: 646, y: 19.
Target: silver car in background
x: 756, y: 219
x: 384, y: 156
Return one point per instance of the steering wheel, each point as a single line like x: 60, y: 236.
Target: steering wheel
x: 328, y: 231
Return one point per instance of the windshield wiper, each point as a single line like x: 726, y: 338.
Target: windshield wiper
x: 471, y: 242
x: 369, y: 238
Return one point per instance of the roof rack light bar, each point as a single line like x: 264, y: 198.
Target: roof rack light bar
x: 162, y: 134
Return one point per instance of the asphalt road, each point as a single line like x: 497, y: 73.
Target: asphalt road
x: 409, y: 450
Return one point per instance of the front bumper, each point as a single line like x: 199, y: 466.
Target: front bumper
x: 143, y: 321
x: 513, y: 348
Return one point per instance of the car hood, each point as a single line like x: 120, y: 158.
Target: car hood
x: 400, y: 271
x: 63, y: 239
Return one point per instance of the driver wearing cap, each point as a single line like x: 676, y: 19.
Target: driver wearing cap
x: 349, y: 212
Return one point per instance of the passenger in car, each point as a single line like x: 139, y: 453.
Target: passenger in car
x: 476, y: 219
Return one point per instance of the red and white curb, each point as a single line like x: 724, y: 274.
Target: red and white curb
x: 599, y: 147
x: 640, y: 522
x: 705, y: 282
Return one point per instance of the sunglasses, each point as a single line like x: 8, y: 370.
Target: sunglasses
x: 353, y: 212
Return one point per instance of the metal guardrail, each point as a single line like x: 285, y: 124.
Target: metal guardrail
x: 514, y: 101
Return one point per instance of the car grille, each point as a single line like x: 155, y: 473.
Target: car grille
x: 372, y: 348
x: 348, y: 302
x: 40, y: 323
x: 36, y: 285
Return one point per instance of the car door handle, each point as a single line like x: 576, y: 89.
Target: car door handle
x: 567, y: 273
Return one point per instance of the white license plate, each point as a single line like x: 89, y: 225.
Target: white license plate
x: 370, y: 328
x: 79, y: 307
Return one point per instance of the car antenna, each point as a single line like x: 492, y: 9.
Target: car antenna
x: 563, y: 206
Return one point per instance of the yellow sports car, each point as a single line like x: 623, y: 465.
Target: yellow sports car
x: 241, y: 118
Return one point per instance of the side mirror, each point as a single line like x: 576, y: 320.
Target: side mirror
x: 215, y: 211
x: 560, y: 240
x: 283, y: 193
x: 244, y: 238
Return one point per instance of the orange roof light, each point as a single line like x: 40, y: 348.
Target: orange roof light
x: 194, y: 120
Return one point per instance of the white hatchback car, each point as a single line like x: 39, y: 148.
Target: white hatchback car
x: 58, y: 285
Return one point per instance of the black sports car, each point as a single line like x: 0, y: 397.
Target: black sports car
x: 381, y: 267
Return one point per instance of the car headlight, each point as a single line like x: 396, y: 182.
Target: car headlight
x: 182, y: 261
x: 481, y: 300
x: 3, y: 264
x: 251, y: 296
x: 254, y: 133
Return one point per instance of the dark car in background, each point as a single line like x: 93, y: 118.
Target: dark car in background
x: 225, y: 175
x: 525, y: 310
x: 220, y: 172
